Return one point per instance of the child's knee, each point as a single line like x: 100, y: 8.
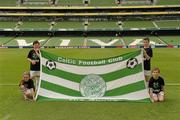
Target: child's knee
x: 29, y: 96
x: 161, y: 99
x: 155, y: 98
x: 28, y: 93
x: 161, y: 96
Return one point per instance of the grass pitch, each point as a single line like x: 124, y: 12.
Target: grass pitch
x: 13, y: 62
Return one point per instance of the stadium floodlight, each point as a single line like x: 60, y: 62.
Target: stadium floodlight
x: 52, y: 25
x: 118, y: 2
x: 118, y: 34
x: 18, y: 24
x: 153, y: 2
x: 86, y: 2
x: 86, y: 23
x: 20, y: 2
x: 52, y: 2
x: 120, y: 23
x: 85, y: 34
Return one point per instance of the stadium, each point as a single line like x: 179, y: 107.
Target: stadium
x: 88, y: 30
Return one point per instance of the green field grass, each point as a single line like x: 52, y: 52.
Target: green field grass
x: 162, y: 57
x: 13, y: 62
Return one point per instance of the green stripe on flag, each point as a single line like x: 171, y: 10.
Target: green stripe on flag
x: 59, y: 89
x: 126, y: 89
x: 107, y: 77
x: 121, y: 73
x: 63, y: 74
x: 115, y: 92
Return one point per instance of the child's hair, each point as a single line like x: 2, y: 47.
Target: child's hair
x: 22, y: 81
x: 156, y: 69
x: 146, y: 38
x: 36, y: 42
x: 26, y: 73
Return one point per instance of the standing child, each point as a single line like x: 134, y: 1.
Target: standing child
x: 27, y: 86
x: 34, y: 59
x: 156, y: 86
x: 148, y: 54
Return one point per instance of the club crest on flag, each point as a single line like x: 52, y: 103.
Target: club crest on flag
x: 51, y: 65
x: 131, y: 63
x: 92, y: 85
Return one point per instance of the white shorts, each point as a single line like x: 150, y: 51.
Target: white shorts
x: 160, y: 93
x: 28, y: 91
x: 147, y: 72
x: 34, y: 73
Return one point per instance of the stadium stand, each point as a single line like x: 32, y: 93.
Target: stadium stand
x: 97, y: 23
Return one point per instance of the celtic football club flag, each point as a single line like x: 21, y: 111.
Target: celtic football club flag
x: 118, y: 78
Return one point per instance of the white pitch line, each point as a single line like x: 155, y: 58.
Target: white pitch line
x: 162, y: 41
x: 8, y: 84
x: 85, y: 42
x: 6, y: 117
x: 123, y: 42
x: 173, y: 84
x: 155, y: 25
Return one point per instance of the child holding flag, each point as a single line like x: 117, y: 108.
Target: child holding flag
x: 156, y: 86
x: 148, y: 54
x: 27, y: 86
x: 34, y: 59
